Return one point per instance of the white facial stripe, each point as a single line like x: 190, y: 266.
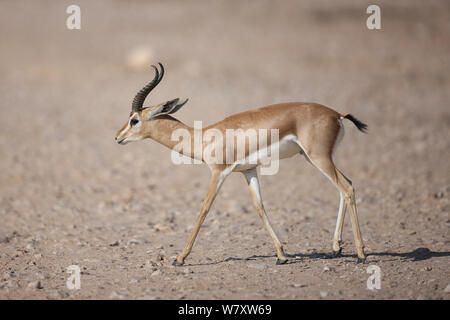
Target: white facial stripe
x: 128, y: 127
x: 124, y: 130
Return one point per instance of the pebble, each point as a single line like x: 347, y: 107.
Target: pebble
x: 58, y: 294
x: 155, y: 273
x: 326, y: 269
x: 159, y: 257
x: 447, y: 289
x: 187, y: 270
x: 116, y: 296
x: 114, y: 244
x: 439, y: 195
x: 133, y: 242
x: 149, y: 265
x: 35, y: 285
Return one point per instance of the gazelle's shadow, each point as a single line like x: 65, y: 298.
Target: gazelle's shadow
x: 418, y: 254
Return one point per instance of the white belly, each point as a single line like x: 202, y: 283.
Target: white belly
x: 285, y: 148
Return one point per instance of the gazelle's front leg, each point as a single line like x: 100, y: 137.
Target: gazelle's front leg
x: 217, y: 179
x: 253, y: 183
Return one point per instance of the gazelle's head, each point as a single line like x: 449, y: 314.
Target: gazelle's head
x: 139, y: 123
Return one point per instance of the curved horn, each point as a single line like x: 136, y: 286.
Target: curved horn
x: 139, y: 98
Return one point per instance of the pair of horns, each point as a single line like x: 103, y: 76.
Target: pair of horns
x: 139, y: 99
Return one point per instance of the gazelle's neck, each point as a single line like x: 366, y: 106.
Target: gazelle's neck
x: 163, y: 128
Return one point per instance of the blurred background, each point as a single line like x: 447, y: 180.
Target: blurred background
x: 70, y: 195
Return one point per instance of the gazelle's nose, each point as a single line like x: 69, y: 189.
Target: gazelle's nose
x: 118, y: 141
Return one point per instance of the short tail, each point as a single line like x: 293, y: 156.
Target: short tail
x: 360, y: 125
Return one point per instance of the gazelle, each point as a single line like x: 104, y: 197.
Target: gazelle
x: 308, y: 129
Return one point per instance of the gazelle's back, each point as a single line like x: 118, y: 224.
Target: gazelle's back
x: 282, y: 116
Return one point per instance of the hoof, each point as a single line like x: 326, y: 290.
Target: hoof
x: 281, y: 261
x: 336, y: 254
x: 361, y: 260
x: 176, y: 263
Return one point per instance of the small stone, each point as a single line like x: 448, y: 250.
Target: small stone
x: 326, y: 269
x: 63, y: 294
x: 159, y: 228
x: 35, y: 285
x: 149, y: 265
x: 57, y: 294
x: 133, y: 242
x: 447, y: 289
x: 323, y: 294
x: 439, y: 195
x: 155, y: 273
x: 159, y: 257
x: 298, y: 285
x: 41, y: 276
x: 427, y: 269
x: 114, y: 244
x: 116, y: 296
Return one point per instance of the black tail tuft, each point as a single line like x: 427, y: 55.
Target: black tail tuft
x: 360, y: 125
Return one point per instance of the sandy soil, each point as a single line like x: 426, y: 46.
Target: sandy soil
x: 70, y: 196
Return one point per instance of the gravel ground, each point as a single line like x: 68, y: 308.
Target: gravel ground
x: 70, y: 196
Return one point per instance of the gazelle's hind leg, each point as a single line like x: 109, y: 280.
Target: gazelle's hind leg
x: 349, y: 196
x: 337, y: 239
x: 325, y: 164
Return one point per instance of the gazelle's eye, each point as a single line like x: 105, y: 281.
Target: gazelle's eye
x: 133, y: 121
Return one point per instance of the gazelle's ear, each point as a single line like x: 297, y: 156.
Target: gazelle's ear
x: 168, y: 107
